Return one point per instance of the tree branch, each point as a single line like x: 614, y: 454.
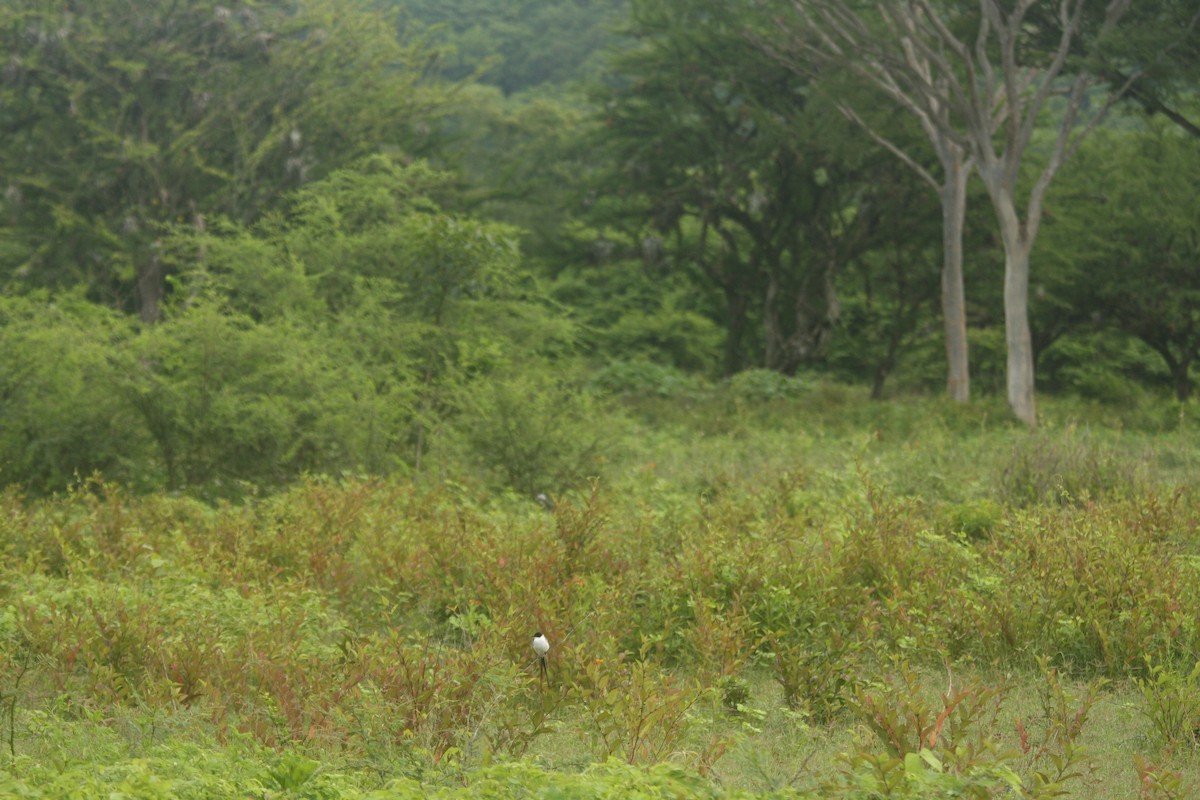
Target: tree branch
x: 891, y: 147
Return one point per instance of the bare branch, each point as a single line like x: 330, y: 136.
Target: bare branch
x: 1070, y: 17
x: 1065, y: 147
x: 895, y: 150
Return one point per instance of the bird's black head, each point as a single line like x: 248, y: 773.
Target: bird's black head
x: 537, y: 634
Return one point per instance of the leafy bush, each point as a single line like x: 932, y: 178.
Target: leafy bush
x: 535, y: 432
x: 1171, y: 701
x: 645, y: 379
x: 953, y: 745
x: 819, y: 677
x: 764, y: 385
x: 227, y: 399
x: 62, y: 362
x: 636, y: 710
x: 683, y: 339
x: 975, y: 519
x: 1102, y: 365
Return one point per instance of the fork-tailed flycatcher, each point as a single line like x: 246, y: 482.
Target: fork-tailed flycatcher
x: 541, y: 646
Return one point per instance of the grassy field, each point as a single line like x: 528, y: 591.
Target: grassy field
x: 813, y: 596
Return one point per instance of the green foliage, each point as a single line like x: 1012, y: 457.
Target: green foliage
x: 735, y: 692
x: 1133, y: 205
x: 522, y: 45
x: 535, y: 432
x: 380, y: 628
x: 130, y: 119
x: 1068, y: 467
x: 1156, y: 782
x: 681, y: 338
x: 292, y: 772
x: 953, y: 746
x: 636, y: 711
x: 228, y: 399
x: 61, y: 367
x: 762, y: 385
x: 645, y: 379
x: 730, y: 170
x: 1105, y: 365
x: 329, y: 341
x: 1171, y: 701
x: 974, y: 519
x: 818, y: 676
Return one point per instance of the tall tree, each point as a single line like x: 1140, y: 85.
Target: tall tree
x: 120, y: 117
x: 984, y: 91
x: 843, y: 39
x: 703, y: 130
x: 890, y: 292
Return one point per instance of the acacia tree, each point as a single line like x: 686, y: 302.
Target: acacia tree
x: 984, y: 92
x: 843, y: 39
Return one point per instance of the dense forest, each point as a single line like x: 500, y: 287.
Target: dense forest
x: 242, y: 242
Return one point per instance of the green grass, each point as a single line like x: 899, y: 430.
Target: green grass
x: 816, y: 595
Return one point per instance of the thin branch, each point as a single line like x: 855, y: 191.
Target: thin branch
x: 1065, y: 147
x: 1071, y: 19
x: 894, y: 149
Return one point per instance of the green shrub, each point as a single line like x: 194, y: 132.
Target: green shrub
x: 535, y: 432
x: 62, y: 418
x: 764, y: 386
x: 1064, y: 468
x: 975, y: 519
x: 1171, y: 702
x: 735, y: 692
x: 645, y: 379
x: 683, y: 339
x: 1100, y: 365
x: 953, y: 746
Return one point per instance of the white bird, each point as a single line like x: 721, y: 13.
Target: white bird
x: 541, y: 646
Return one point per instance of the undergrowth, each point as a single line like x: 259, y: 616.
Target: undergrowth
x: 360, y: 637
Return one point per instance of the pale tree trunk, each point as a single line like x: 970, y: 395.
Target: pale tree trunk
x: 1017, y: 337
x: 952, y: 192
x: 954, y: 302
x: 933, y: 114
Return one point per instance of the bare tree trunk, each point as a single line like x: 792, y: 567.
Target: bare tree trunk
x: 954, y: 302
x: 1017, y: 336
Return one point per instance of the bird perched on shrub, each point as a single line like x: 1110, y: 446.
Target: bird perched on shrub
x: 541, y: 646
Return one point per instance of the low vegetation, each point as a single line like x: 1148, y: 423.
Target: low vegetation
x: 799, y: 595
